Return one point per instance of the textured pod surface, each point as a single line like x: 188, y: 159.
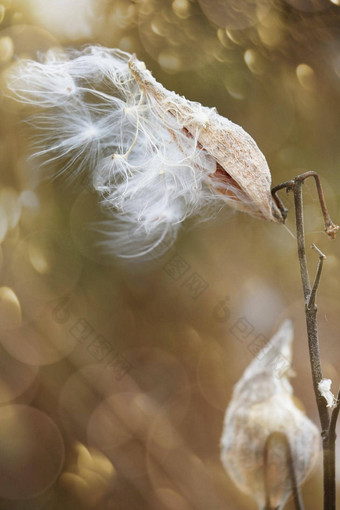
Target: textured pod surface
x: 154, y: 157
x: 263, y: 404
x: 239, y: 162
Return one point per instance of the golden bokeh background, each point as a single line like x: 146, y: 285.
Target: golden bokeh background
x: 115, y: 376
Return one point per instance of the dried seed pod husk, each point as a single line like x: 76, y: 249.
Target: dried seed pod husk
x: 263, y: 410
x: 241, y: 168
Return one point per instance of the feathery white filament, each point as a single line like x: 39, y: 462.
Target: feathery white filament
x: 324, y: 388
x: 149, y: 170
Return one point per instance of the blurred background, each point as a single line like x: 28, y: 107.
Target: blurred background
x: 114, y: 377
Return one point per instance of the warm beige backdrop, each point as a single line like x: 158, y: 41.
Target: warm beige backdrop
x: 114, y: 378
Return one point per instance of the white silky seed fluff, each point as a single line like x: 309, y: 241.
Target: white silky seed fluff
x: 154, y: 157
x: 324, y: 388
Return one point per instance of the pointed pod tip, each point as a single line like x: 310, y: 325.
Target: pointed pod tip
x: 283, y: 338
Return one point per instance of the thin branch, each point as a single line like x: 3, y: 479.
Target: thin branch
x: 328, y: 423
x: 330, y: 227
x: 329, y: 466
x: 300, y: 235
x: 287, y: 185
x: 334, y: 417
x: 311, y: 312
x: 311, y: 300
x: 281, y: 437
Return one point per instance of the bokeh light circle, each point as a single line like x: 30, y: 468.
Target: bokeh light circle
x: 44, y: 266
x: 177, y: 41
x: 149, y: 365
x: 310, y: 5
x: 83, y: 19
x: 40, y: 342
x: 16, y: 377
x: 10, y: 310
x: 86, y: 220
x: 119, y: 428
x: 21, y: 40
x: 213, y: 378
x: 171, y: 500
x: 32, y: 452
x: 83, y: 391
x: 235, y: 14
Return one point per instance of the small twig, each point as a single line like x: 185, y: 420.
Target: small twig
x: 331, y: 228
x: 311, y: 312
x: 311, y: 300
x: 334, y: 417
x: 285, y: 185
x: 329, y: 458
x: 280, y: 436
x: 300, y: 235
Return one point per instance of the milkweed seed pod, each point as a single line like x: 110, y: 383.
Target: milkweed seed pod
x: 154, y: 157
x: 262, y: 410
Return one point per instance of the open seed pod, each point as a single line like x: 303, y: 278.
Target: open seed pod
x: 241, y: 171
x: 267, y: 440
x: 154, y: 157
